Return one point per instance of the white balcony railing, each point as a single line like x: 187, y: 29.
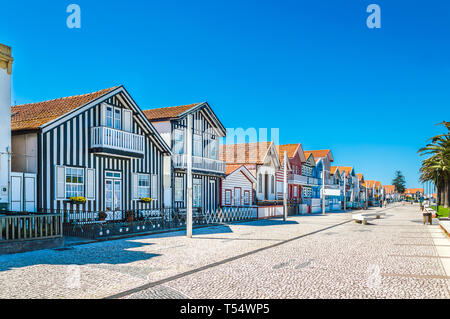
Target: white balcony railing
x: 304, y: 180
x: 109, y: 138
x: 199, y: 163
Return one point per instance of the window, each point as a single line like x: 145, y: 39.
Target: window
x: 295, y: 191
x: 260, y: 183
x: 198, y: 145
x: 117, y: 119
x: 307, y: 192
x: 246, y: 197
x: 113, y: 175
x: 74, y: 182
x: 109, y: 116
x: 227, y: 197
x: 280, y: 187
x: 273, y: 184
x: 197, y: 192
x: 213, y: 149
x: 178, y: 142
x: 306, y: 170
x: 143, y: 186
x: 179, y: 189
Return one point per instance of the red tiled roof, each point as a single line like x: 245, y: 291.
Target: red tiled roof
x: 389, y: 189
x: 360, y: 176
x: 333, y: 170
x: 413, y: 190
x: 33, y: 115
x: 247, y: 153
x: 347, y: 169
x: 289, y: 148
x: 230, y: 168
x: 168, y: 112
x: 319, y: 153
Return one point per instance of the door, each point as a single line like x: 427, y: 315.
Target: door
x: 23, y: 192
x: 237, y: 197
x: 113, y: 195
x: 266, y: 186
x: 213, y: 192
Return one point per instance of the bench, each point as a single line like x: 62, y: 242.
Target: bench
x: 365, y: 217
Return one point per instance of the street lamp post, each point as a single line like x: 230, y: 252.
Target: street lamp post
x: 189, y: 177
x: 285, y: 188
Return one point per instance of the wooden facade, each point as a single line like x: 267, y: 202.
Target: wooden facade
x: 112, y: 170
x: 208, y: 170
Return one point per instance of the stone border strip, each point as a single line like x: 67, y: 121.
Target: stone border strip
x: 415, y: 276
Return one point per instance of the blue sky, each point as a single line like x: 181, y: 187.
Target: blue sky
x: 310, y: 68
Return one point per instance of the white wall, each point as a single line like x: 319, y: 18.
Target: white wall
x: 5, y: 133
x: 270, y: 171
x: 236, y: 179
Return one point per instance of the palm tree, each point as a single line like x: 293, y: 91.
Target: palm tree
x: 436, y: 168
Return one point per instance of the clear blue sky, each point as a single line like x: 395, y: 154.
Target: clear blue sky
x: 311, y: 68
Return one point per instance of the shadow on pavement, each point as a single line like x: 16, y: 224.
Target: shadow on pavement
x: 107, y: 253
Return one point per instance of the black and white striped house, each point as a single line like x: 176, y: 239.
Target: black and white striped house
x: 99, y: 146
x: 207, y: 169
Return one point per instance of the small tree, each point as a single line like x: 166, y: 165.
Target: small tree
x: 399, y: 182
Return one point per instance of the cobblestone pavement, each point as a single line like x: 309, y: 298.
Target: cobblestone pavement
x: 391, y: 257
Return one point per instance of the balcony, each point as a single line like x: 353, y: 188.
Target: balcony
x: 199, y: 163
x: 304, y: 180
x: 122, y: 143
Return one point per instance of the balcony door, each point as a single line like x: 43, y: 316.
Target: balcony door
x: 113, y: 192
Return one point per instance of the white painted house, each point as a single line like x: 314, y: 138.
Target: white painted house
x: 5, y: 124
x: 237, y: 187
x: 261, y: 159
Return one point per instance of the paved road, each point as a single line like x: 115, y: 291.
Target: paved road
x: 324, y: 257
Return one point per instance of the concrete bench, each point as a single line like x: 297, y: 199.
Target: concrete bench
x: 365, y: 217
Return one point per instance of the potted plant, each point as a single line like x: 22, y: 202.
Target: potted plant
x: 102, y: 216
x: 145, y: 199
x: 78, y: 200
x: 129, y: 216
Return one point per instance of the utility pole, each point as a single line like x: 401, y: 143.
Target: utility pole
x: 285, y: 188
x: 345, y: 192
x: 189, y: 177
x: 323, y: 190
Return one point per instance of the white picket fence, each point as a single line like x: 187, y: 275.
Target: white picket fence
x: 231, y: 214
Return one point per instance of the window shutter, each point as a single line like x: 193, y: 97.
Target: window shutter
x: 127, y: 120
x: 103, y: 114
x: 90, y: 183
x: 134, y: 177
x: 154, y: 187
x: 60, y: 182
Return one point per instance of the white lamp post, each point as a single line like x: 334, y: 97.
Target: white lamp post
x: 189, y: 177
x: 285, y: 188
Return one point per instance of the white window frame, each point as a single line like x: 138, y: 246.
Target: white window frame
x: 228, y: 197
x: 144, y: 191
x: 197, y: 192
x: 77, y: 193
x: 246, y: 197
x: 176, y: 145
x: 179, y: 189
x: 197, y: 145
x: 117, y: 110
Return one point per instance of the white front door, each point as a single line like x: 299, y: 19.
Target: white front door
x: 23, y: 192
x: 237, y: 197
x: 113, y: 194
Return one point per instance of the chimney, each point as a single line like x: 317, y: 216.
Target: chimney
x: 5, y: 123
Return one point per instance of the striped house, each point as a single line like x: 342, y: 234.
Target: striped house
x: 237, y: 187
x: 296, y: 179
x: 207, y: 169
x: 261, y: 159
x: 98, y: 146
